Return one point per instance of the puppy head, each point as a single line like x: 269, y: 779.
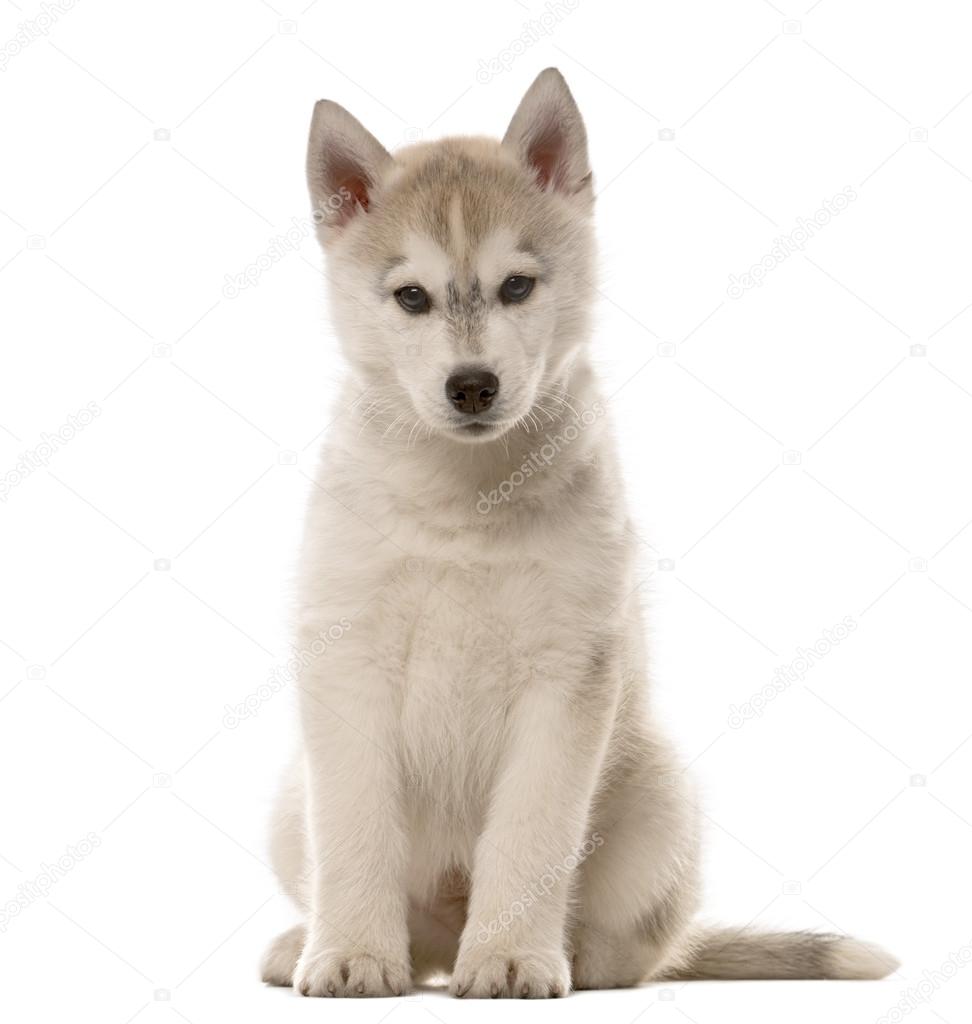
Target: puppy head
x: 460, y: 270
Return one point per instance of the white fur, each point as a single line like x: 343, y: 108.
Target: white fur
x: 480, y: 789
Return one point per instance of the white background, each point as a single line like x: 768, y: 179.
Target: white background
x: 149, y: 150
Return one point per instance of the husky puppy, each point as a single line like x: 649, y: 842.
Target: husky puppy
x: 481, y: 789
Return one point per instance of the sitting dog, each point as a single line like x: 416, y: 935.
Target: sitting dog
x: 481, y: 789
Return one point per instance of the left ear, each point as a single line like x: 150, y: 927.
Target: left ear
x: 547, y: 133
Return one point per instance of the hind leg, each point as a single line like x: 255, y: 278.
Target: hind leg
x: 637, y: 889
x: 281, y: 957
x: 625, y: 955
x: 288, y: 852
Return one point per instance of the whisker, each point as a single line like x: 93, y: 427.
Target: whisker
x: 547, y: 413
x: 392, y: 424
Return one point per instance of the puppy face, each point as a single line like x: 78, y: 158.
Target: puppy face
x: 460, y: 270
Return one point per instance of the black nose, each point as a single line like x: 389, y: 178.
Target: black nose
x: 472, y: 390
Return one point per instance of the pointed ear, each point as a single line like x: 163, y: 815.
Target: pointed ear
x: 547, y: 133
x: 345, y: 163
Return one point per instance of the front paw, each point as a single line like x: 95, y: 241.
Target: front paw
x: 516, y: 974
x: 337, y: 972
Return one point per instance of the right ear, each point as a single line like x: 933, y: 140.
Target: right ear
x: 344, y: 165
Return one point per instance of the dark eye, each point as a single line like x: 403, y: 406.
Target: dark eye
x: 516, y: 288
x: 412, y: 299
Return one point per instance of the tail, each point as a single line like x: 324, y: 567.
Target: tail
x: 729, y: 953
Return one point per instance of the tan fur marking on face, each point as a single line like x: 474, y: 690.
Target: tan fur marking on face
x: 457, y: 229
x: 456, y: 191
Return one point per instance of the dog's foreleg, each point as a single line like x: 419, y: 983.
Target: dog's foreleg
x: 357, y: 935
x: 534, y: 837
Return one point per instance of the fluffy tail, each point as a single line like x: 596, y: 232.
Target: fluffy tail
x: 733, y: 954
